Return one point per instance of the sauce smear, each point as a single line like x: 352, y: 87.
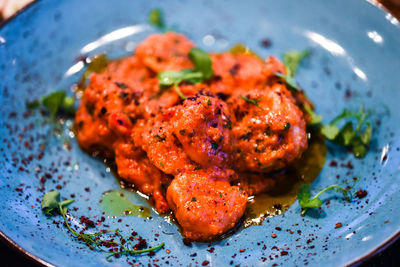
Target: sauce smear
x: 114, y: 203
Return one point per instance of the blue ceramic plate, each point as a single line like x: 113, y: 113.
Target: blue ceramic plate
x: 355, y: 61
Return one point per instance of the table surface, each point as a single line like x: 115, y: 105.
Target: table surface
x: 389, y: 257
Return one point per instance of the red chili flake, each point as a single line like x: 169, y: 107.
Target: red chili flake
x: 278, y: 228
x: 386, y: 222
x: 58, y: 187
x: 333, y: 163
x: 168, y: 251
x: 87, y: 189
x: 242, y: 250
x: 211, y: 250
x: 284, y: 253
x: 205, y: 263
x: 338, y: 225
x: 273, y: 235
x: 266, y: 43
x: 19, y: 189
x: 361, y: 193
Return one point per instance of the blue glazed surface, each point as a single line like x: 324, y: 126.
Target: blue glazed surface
x: 356, y: 53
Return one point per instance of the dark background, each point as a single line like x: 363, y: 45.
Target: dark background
x: 390, y: 257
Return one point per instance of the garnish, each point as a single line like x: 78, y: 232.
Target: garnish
x: 357, y: 138
x: 291, y: 60
x: 95, y: 64
x: 201, y: 72
x: 51, y: 204
x: 306, y: 202
x: 315, y: 119
x: 54, y: 102
x: 251, y: 101
x: 156, y: 18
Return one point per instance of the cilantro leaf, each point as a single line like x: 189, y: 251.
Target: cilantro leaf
x: 156, y: 18
x: 292, y: 59
x: 53, y: 102
x: 251, y: 101
x: 315, y: 118
x: 288, y: 80
x: 201, y: 72
x: 202, y: 62
x: 50, y: 201
x: 330, y: 131
x: 348, y: 136
x: 306, y: 202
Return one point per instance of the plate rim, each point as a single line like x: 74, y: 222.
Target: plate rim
x: 20, y: 250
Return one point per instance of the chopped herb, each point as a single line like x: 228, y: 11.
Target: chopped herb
x: 156, y: 18
x: 201, y: 72
x: 358, y: 137
x: 96, y: 64
x: 202, y: 62
x: 32, y: 105
x: 182, y: 132
x: 286, y: 126
x: 193, y: 199
x: 56, y: 101
x: 242, y: 49
x: 251, y: 101
x: 51, y: 205
x: 161, y: 164
x: 209, y: 102
x: 291, y: 60
x: 228, y: 124
x: 315, y: 119
x: 214, y: 145
x: 288, y: 80
x: 306, y: 202
x: 220, y: 195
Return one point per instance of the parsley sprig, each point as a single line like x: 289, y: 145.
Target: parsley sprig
x: 51, y: 205
x: 202, y: 71
x: 291, y: 60
x: 306, y: 202
x: 156, y: 18
x: 357, y: 138
x: 251, y: 101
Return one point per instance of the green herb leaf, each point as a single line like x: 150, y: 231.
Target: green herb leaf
x: 359, y: 148
x: 330, y: 131
x: 202, y: 62
x: 306, y: 202
x: 349, y: 136
x: 288, y: 80
x: 292, y: 59
x: 201, y: 72
x: 315, y: 118
x: 251, y: 101
x: 156, y: 18
x: 32, y: 105
x: 56, y: 101
x: 367, y: 134
x: 53, y: 102
x: 50, y: 201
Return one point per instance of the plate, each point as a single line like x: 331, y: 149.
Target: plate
x: 355, y: 61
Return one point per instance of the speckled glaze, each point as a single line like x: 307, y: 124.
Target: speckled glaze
x: 355, y: 60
